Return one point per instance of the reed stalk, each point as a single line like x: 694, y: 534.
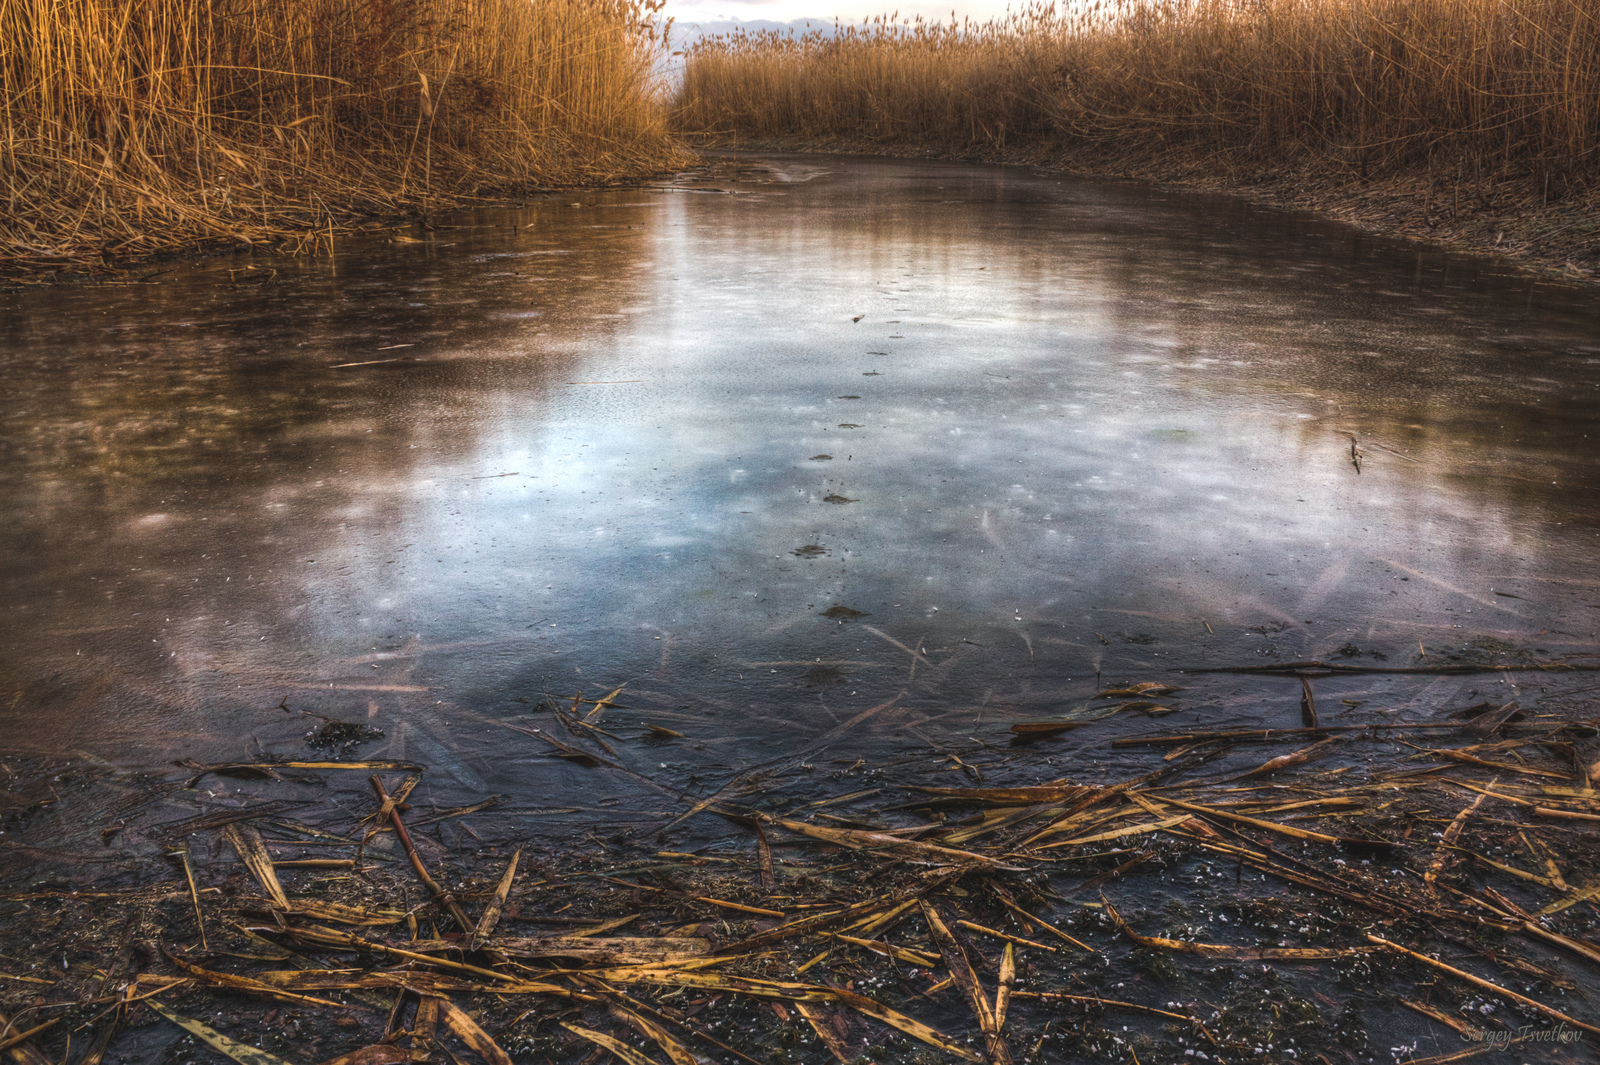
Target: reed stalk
x: 1362, y: 86
x: 130, y: 126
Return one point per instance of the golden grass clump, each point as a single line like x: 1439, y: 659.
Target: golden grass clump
x: 1367, y: 84
x: 135, y: 125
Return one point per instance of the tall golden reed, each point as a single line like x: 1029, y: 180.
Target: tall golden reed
x: 131, y: 125
x: 1366, y: 84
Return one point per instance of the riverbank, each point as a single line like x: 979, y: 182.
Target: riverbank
x: 128, y: 134
x: 1470, y: 123
x: 1554, y: 239
x: 1557, y: 241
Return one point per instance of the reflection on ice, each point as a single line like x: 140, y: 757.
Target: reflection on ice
x: 771, y: 457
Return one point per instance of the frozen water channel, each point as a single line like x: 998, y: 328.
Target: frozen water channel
x: 774, y: 444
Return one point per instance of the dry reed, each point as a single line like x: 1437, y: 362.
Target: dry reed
x: 1361, y: 85
x: 129, y: 126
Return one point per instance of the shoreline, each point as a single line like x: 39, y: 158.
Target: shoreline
x: 1548, y: 240
x: 305, y: 241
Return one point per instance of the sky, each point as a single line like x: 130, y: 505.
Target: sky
x: 823, y: 12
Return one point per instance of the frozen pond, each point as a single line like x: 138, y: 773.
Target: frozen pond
x: 772, y: 446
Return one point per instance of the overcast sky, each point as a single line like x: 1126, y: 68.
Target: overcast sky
x: 824, y: 12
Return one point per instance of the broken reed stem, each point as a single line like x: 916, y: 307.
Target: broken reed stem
x: 17, y: 1038
x: 194, y: 894
x: 446, y: 899
x: 1057, y: 996
x: 1570, y: 815
x: 491, y: 913
x: 1267, y: 735
x: 330, y: 937
x: 1451, y: 833
x: 1479, y: 982
x: 1314, y: 667
x: 1006, y: 936
x: 1042, y: 923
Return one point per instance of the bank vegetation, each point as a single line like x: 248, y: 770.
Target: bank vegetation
x: 1456, y: 107
x: 132, y: 126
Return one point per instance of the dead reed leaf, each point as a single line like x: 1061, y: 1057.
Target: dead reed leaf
x: 1569, y: 815
x: 243, y: 1053
x: 740, y: 907
x: 1151, y: 688
x: 245, y: 983
x: 1002, y: 817
x: 1116, y: 833
x: 1320, y: 749
x: 1270, y: 826
x: 331, y: 937
x: 676, y: 1052
x: 1057, y: 996
x: 18, y: 1038
x: 1050, y: 793
x: 1499, y: 767
x: 1002, y: 992
x: 861, y: 840
x: 818, y: 1019
x: 1042, y: 729
x: 895, y: 1019
x: 1577, y: 946
x: 247, y: 843
x: 269, y: 769
x: 604, y: 926
x: 491, y: 913
x: 341, y: 914
x: 1008, y: 937
x: 1027, y: 917
x: 1585, y: 895
x: 376, y: 1054
x: 610, y: 1043
x: 955, y: 960
x: 913, y: 957
x: 612, y: 950
x: 685, y: 977
x: 467, y: 1030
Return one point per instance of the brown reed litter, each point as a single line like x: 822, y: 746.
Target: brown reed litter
x: 1428, y: 883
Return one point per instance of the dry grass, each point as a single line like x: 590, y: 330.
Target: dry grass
x: 128, y: 126
x: 944, y: 86
x: 1364, y: 86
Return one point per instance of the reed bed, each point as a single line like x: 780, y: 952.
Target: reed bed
x: 1367, y: 86
x: 129, y: 126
